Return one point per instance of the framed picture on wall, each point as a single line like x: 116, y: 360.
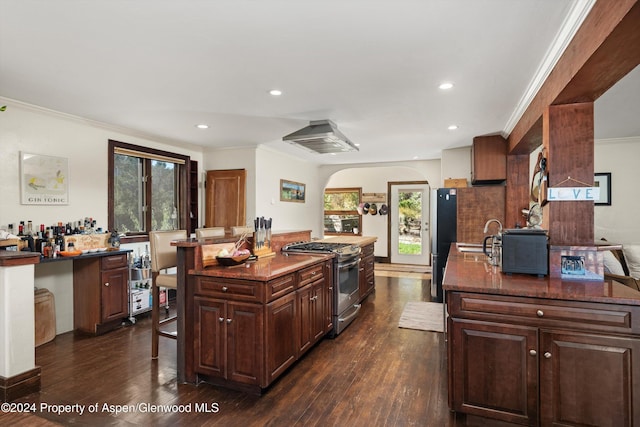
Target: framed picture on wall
x: 291, y: 191
x: 44, y: 180
x: 603, y: 181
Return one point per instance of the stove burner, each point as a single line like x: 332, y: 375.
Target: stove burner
x: 342, y: 249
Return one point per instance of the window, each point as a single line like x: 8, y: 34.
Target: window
x: 341, y: 211
x: 147, y: 190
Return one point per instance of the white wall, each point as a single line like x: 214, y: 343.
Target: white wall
x: 374, y: 179
x: 84, y: 143
x: 456, y: 163
x: 619, y: 222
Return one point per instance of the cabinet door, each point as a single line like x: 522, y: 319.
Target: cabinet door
x: 328, y: 301
x: 304, y: 297
x: 589, y: 379
x: 209, y: 336
x: 281, y: 335
x: 318, y: 319
x: 114, y: 294
x: 245, y: 342
x: 495, y: 371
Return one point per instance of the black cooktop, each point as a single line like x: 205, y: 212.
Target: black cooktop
x: 314, y: 247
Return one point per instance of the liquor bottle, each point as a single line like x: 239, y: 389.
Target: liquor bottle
x: 21, y: 229
x: 29, y: 231
x: 10, y: 227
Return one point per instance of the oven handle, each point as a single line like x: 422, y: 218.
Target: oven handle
x: 352, y: 315
x: 351, y: 264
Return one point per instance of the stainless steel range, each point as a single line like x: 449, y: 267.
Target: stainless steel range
x: 345, y: 278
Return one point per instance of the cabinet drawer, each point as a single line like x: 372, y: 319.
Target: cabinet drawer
x: 279, y: 287
x: 540, y: 312
x: 229, y: 289
x: 310, y: 274
x: 113, y: 261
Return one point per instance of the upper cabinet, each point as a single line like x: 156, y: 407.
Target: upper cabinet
x: 488, y: 159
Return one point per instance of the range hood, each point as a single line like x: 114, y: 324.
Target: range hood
x: 321, y: 136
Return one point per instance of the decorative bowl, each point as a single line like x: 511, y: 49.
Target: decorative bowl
x: 70, y: 253
x: 228, y: 261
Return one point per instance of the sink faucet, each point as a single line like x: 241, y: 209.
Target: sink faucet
x: 486, y: 226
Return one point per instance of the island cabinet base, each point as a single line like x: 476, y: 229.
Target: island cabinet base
x: 534, y: 361
x: 248, y: 333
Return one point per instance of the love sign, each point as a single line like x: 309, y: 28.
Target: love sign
x: 573, y: 194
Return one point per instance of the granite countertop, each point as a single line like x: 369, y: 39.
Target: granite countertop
x: 470, y: 272
x: 85, y: 256
x: 352, y: 240
x: 264, y: 269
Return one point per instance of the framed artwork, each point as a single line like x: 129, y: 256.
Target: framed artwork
x: 44, y: 180
x: 291, y: 191
x: 603, y: 181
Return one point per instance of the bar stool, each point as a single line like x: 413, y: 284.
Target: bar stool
x: 202, y: 233
x: 163, y: 257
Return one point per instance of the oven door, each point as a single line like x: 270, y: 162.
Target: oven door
x: 348, y: 291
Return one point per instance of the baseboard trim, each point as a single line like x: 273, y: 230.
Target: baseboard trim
x: 20, y: 385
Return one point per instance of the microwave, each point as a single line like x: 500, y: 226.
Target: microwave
x: 525, y: 250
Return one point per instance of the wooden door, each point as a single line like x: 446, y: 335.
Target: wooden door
x: 588, y: 379
x: 225, y: 199
x: 495, y: 371
x: 317, y: 310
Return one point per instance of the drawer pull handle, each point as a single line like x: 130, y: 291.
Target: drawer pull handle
x: 229, y: 321
x: 540, y: 313
x: 106, y: 284
x: 533, y: 352
x: 547, y: 355
x: 313, y: 273
x: 225, y: 289
x: 220, y: 319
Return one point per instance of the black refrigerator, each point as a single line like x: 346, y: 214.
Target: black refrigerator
x: 443, y: 233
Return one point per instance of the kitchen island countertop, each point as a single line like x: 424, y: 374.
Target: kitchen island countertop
x: 470, y: 272
x: 352, y: 240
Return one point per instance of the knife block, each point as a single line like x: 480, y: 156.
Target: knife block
x: 264, y: 251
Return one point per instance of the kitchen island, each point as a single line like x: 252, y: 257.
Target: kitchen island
x: 540, y: 351
x: 241, y: 327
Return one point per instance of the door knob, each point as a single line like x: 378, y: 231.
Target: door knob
x: 106, y: 284
x: 533, y: 352
x: 547, y: 355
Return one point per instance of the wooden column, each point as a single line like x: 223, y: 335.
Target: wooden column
x: 517, y: 197
x: 567, y: 139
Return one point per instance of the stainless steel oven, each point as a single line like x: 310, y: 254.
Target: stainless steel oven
x: 345, y: 278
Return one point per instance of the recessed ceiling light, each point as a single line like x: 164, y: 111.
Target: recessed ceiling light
x: 202, y: 126
x: 275, y: 92
x: 415, y: 157
x: 453, y: 127
x: 445, y: 86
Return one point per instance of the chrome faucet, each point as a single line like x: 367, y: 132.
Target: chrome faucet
x: 486, y: 226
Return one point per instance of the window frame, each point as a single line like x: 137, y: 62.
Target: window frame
x: 184, y: 172
x: 341, y: 212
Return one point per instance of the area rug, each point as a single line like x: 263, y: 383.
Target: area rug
x: 425, y: 316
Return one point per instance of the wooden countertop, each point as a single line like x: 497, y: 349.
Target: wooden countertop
x: 352, y: 240
x: 264, y: 269
x: 470, y: 272
x: 16, y: 258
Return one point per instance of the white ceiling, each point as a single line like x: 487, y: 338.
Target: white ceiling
x: 161, y: 66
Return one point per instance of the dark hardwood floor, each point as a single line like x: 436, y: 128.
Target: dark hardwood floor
x: 373, y: 374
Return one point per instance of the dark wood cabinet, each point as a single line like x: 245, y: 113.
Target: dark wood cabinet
x: 488, y: 159
x: 588, y: 379
x: 311, y: 297
x: 532, y: 361
x: 366, y: 271
x: 281, y: 335
x: 494, y: 374
x: 100, y: 289
x: 229, y: 339
x: 246, y: 333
